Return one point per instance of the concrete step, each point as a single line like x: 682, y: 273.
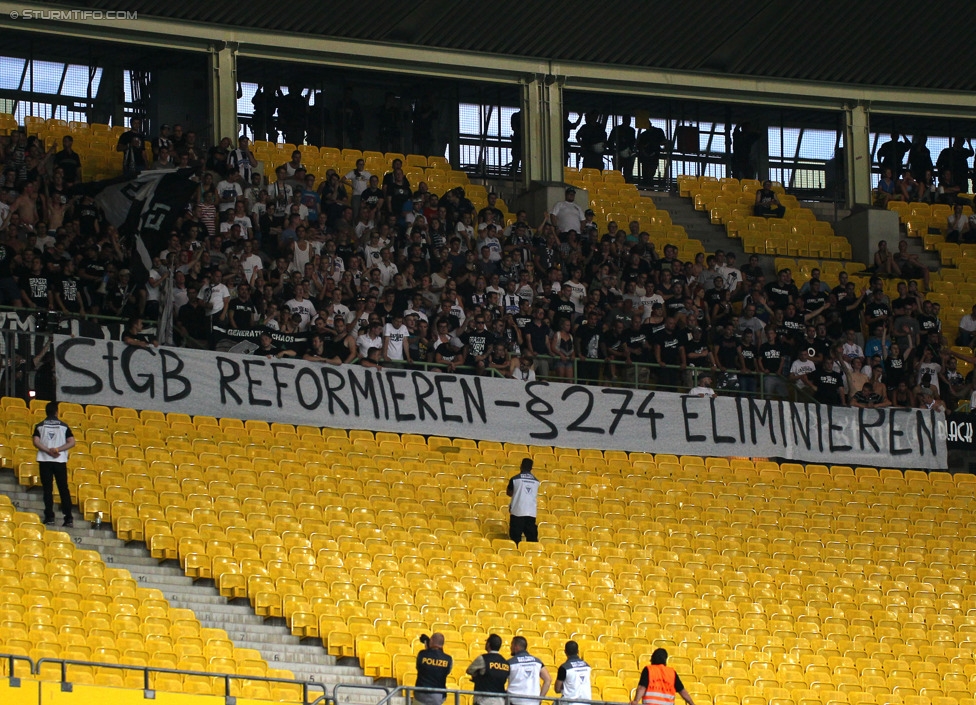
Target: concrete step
x: 927, y: 258
x: 826, y: 211
x: 303, y: 673
x: 316, y: 662
x: 699, y: 227
x: 158, y: 579
x: 208, y: 602
x: 231, y: 620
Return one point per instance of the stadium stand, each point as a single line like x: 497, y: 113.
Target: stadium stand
x: 798, y: 242
x: 64, y: 603
x: 95, y: 143
x: 729, y: 202
x: 802, y: 244
x: 767, y: 582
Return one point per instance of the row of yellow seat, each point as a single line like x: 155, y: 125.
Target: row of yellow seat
x: 803, y: 244
x: 907, y: 211
x: 729, y: 202
x: 354, y: 566
x: 59, y: 602
x: 958, y: 260
x: 283, y: 151
x: 95, y: 143
x: 750, y: 556
x: 434, y: 170
x: 688, y: 183
x: 613, y: 199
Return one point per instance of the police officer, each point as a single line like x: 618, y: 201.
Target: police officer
x: 525, y: 671
x: 659, y: 683
x: 433, y: 667
x: 490, y: 672
x: 524, y: 491
x: 573, y: 677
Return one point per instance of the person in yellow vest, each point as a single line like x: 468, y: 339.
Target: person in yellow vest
x: 659, y: 683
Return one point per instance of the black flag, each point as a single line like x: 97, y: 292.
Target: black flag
x: 145, y: 209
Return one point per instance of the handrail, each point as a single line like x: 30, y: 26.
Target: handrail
x: 694, y: 370
x: 408, y: 691
x: 71, y: 316
x: 343, y: 687
x: 146, y: 670
x: 425, y: 366
x: 637, y: 367
x: 11, y: 658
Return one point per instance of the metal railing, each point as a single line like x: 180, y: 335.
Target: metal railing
x: 639, y: 375
x: 31, y: 325
x: 350, y: 689
x: 435, y: 366
x: 146, y: 671
x: 61, y: 316
x: 453, y: 696
x: 27, y: 342
x: 11, y: 660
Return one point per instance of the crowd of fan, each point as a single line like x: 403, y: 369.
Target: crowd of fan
x: 921, y: 180
x: 370, y: 268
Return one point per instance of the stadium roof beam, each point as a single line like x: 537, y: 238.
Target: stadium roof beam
x: 792, y: 93
x: 494, y: 68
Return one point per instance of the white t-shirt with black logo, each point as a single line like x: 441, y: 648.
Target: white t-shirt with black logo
x: 395, y: 336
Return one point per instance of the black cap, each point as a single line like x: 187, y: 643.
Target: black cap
x: 589, y: 211
x: 570, y: 189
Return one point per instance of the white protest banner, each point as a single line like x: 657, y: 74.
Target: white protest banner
x: 411, y: 401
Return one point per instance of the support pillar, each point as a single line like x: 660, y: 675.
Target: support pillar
x: 542, y: 137
x: 223, y: 92
x: 857, y: 153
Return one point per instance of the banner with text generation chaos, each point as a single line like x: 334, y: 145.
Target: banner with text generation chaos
x: 410, y: 401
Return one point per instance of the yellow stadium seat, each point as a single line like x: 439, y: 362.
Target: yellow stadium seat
x: 365, y: 542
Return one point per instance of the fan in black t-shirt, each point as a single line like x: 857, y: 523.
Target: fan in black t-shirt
x: 35, y: 286
x: 243, y: 311
x: 67, y: 293
x: 669, y: 350
x: 697, y: 352
x: 478, y: 342
x: 771, y: 353
x: 636, y: 341
x: 562, y: 307
x: 782, y: 291
x: 828, y: 386
x: 748, y: 354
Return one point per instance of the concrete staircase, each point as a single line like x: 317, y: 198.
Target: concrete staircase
x: 271, y: 637
x: 830, y: 213
x: 699, y: 227
x: 696, y: 223
x: 928, y: 259
x: 713, y: 237
x: 827, y: 212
